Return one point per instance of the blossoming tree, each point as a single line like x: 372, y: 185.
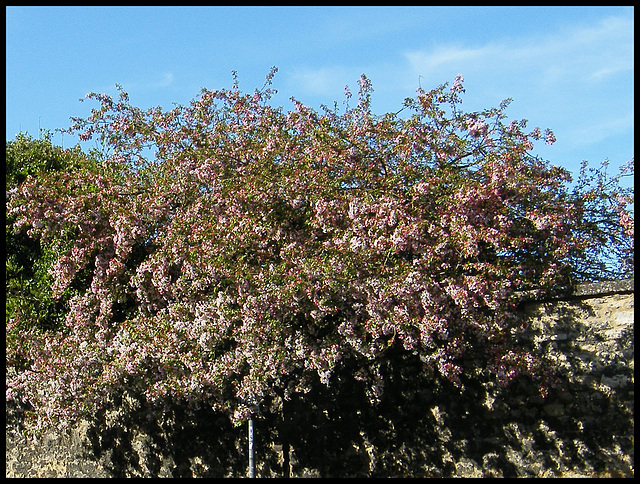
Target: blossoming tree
x: 229, y: 250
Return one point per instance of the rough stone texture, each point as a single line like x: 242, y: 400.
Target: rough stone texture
x: 421, y: 428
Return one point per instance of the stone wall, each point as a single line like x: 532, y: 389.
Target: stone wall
x: 421, y: 428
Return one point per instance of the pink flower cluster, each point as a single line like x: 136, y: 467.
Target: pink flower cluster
x: 477, y: 128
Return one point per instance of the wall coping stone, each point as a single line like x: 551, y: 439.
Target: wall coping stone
x: 587, y: 289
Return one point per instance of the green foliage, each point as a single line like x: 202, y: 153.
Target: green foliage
x: 30, y: 305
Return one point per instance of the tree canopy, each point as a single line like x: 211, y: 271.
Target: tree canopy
x: 228, y: 250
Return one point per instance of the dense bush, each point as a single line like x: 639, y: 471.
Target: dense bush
x: 230, y: 250
x: 30, y: 303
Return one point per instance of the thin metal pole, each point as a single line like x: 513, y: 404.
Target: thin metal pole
x: 252, y: 466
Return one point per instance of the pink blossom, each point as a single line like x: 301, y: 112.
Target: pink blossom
x: 477, y: 128
x: 457, y: 84
x: 549, y: 137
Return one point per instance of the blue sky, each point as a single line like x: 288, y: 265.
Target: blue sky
x: 570, y: 69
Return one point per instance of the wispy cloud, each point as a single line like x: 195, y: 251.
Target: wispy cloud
x: 137, y: 86
x: 166, y: 81
x: 432, y: 61
x: 601, y: 129
x: 588, y: 53
x: 325, y: 81
x: 158, y: 81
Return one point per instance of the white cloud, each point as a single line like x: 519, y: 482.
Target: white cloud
x: 601, y: 129
x: 325, y: 82
x: 135, y: 87
x: 166, y: 80
x: 592, y: 52
x: 318, y: 81
x: 446, y: 56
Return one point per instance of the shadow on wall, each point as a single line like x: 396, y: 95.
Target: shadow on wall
x: 426, y: 428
